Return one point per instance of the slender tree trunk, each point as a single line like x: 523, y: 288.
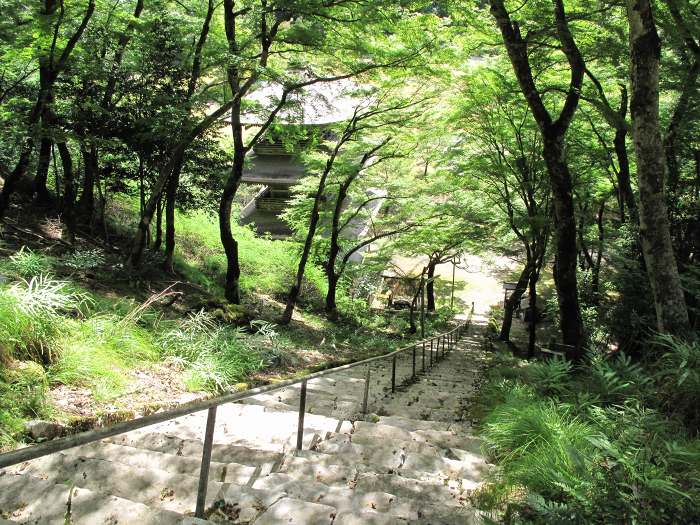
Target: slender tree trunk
x: 430, y: 286
x: 41, y: 190
x: 669, y: 302
x: 86, y: 203
x: 532, y: 324
x: 331, y: 304
x: 595, y: 271
x: 159, y: 227
x: 232, y: 290
x: 333, y: 277
x: 56, y: 175
x: 623, y: 174
x: 513, y: 302
x: 170, y: 202
x: 295, y: 290
x: 566, y: 250
x: 69, y: 189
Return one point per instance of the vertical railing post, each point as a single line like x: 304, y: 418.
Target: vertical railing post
x: 302, y: 412
x: 366, y: 395
x: 393, y: 374
x: 443, y: 347
x: 423, y: 361
x: 206, y: 462
x: 431, y: 353
x: 413, y: 376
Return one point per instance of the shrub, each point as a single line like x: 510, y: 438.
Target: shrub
x: 678, y: 375
x: 548, y: 377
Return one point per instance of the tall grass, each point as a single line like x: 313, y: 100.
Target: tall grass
x: 33, y: 317
x: 214, y: 357
x: 267, y: 266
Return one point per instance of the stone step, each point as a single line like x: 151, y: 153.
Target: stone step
x: 192, y: 448
x: 293, y: 511
x: 190, y: 466
x: 32, y: 500
x: 150, y: 486
x: 343, y: 497
x: 412, y: 459
x: 451, y: 493
x: 250, y: 426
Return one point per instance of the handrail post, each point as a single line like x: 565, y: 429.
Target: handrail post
x: 423, y: 360
x: 302, y: 411
x: 431, y: 353
x: 366, y: 394
x: 413, y: 376
x: 443, y: 347
x: 206, y: 463
x: 393, y: 374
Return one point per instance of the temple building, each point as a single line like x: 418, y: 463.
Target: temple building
x: 276, y: 166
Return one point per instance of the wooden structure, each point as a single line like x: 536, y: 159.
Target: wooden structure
x: 275, y: 165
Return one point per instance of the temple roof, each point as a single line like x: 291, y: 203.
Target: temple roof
x: 317, y: 104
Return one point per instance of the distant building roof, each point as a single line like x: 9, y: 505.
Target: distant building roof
x: 317, y: 104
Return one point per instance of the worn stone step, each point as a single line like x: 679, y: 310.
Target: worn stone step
x: 150, y: 486
x: 138, y: 457
x: 412, y: 459
x: 249, y: 426
x: 222, y: 453
x: 293, y: 511
x: 342, y: 496
x: 451, y: 493
x: 32, y: 500
x: 242, y: 505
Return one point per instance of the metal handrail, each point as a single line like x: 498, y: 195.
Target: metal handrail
x: 60, y: 444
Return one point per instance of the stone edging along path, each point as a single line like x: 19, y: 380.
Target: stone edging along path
x: 412, y: 459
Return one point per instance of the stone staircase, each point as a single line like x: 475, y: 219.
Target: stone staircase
x: 413, y: 460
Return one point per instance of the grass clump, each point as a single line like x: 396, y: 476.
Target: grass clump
x: 23, y: 388
x: 26, y: 264
x: 33, y: 316
x: 603, y: 443
x: 214, y: 357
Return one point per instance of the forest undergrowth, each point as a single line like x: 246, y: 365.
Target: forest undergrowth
x: 84, y: 340
x: 612, y: 440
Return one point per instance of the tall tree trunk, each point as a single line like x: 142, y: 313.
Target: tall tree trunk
x: 430, y: 286
x: 331, y: 304
x: 513, y: 302
x: 565, y: 246
x: 86, y: 203
x: 669, y: 302
x: 158, y: 241
x: 553, y: 134
x: 232, y: 289
x: 170, y: 201
x: 69, y: 189
x: 41, y: 191
x: 532, y: 322
x: 623, y: 164
x: 595, y: 271
x: 295, y: 289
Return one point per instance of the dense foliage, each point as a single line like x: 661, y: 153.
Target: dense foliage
x: 562, y: 134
